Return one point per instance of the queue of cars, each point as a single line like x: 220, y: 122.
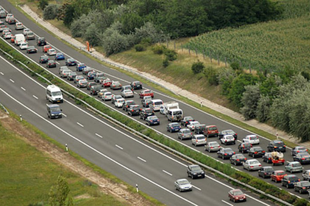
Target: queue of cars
x: 185, y: 126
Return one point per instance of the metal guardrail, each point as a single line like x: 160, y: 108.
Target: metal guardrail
x: 158, y: 143
x: 3, y: 107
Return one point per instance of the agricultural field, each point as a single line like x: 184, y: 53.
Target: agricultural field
x: 271, y: 45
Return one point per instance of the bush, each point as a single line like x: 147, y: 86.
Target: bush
x: 146, y: 41
x: 165, y: 63
x: 139, y: 48
x: 148, y: 30
x: 197, y: 67
x: 50, y: 12
x: 212, y: 76
x: 263, y: 108
x: 158, y: 49
x: 171, y: 54
x: 79, y: 26
x: 249, y: 100
x: 225, y: 78
x: 92, y: 35
x: 43, y: 4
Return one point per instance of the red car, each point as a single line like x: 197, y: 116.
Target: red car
x: 13, y: 39
x: 277, y: 175
x: 211, y: 131
x: 146, y: 92
x: 236, y: 195
x: 46, y: 48
x: 106, y: 82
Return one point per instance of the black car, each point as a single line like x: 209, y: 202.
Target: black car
x: 195, y: 171
x: 237, y: 159
x: 185, y: 134
x: 265, y: 172
x: 276, y: 145
x: 289, y: 181
x: 228, y: 132
x: 94, y: 89
x: 303, y: 158
x: 152, y: 120
x: 51, y: 63
x: 145, y: 112
x: 31, y: 49
x: 256, y: 152
x: 185, y: 121
x: 244, y: 147
x: 267, y: 157
x: 225, y: 153
x: 136, y: 85
x: 298, y: 149
x: 43, y: 59
x: 71, y: 76
x: 71, y: 62
x: 127, y: 104
x: 41, y: 41
x: 173, y: 127
x: 199, y: 128
x: 134, y: 110
x: 302, y: 187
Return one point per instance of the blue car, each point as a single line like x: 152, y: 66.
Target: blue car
x: 173, y: 127
x: 59, y: 56
x: 91, y: 75
x: 80, y: 67
x: 152, y: 120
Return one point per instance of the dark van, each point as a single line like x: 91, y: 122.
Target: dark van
x: 54, y: 111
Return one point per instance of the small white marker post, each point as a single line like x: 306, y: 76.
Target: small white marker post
x: 20, y: 117
x: 201, y: 104
x: 137, y: 188
x: 67, y: 149
x: 277, y: 135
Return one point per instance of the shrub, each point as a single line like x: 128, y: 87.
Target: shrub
x: 263, y: 108
x: 171, y: 54
x: 139, y: 48
x: 212, y: 75
x: 50, y: 12
x: 165, y: 62
x: 249, y: 100
x: 147, y: 41
x: 79, y: 26
x: 197, y: 67
x: 148, y: 30
x: 92, y: 35
x: 158, y: 49
x: 43, y: 4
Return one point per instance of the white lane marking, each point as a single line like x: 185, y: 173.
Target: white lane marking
x: 119, y: 147
x: 239, y: 141
x: 57, y: 63
x: 80, y: 124
x: 227, y: 203
x: 196, y: 187
x: 168, y: 173
x: 143, y: 160
x: 23, y: 88
x: 34, y: 96
x: 1, y: 73
x: 98, y: 135
x: 98, y: 152
x: 12, y: 80
x: 225, y: 185
x: 64, y: 115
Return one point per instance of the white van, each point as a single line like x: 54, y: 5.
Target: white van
x: 53, y: 94
x: 175, y: 115
x: 155, y: 104
x: 19, y: 38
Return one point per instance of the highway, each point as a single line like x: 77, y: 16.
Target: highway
x: 199, y: 115
x: 111, y: 148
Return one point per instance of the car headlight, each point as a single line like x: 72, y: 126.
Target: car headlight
x: 60, y: 113
x: 53, y: 114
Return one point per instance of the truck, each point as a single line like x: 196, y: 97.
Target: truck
x: 168, y: 106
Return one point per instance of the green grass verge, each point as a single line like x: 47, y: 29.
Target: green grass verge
x: 26, y: 175
x: 225, y: 168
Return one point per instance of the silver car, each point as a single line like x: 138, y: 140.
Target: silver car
x: 19, y: 26
x: 192, y: 125
x: 185, y: 134
x: 127, y: 93
x: 228, y: 139
x: 119, y: 102
x: 212, y: 146
x: 199, y: 139
x: 183, y: 185
x: 252, y: 164
x: 107, y: 96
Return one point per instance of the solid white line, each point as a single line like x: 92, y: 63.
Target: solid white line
x: 35, y: 97
x: 57, y: 63
x: 151, y: 148
x: 64, y: 115
x: 227, y: 203
x: 1, y: 73
x: 23, y: 88
x: 239, y: 141
x: 167, y: 172
x: 143, y: 160
x: 80, y: 124
x: 98, y: 135
x: 119, y: 147
x: 98, y: 152
x: 12, y: 80
x: 196, y: 187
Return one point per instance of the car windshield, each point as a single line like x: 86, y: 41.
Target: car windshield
x: 253, y: 162
x: 296, y: 164
x: 196, y: 168
x: 108, y: 94
x: 230, y: 137
x: 183, y: 182
x: 279, y: 144
x: 177, y: 112
x: 268, y: 169
x: 293, y: 178
x: 120, y: 101
x: 186, y: 131
x: 213, y: 144
x: 229, y: 132
x: 56, y: 93
x: 158, y: 103
x: 253, y: 138
x: 174, y: 125
x: 202, y: 137
x: 304, y: 154
x: 55, y: 109
x: 228, y: 150
x: 305, y: 183
x: 257, y: 149
x: 152, y: 117
x: 239, y: 156
x: 238, y: 192
x: 212, y: 128
x: 300, y: 149
x: 280, y: 173
x: 118, y: 97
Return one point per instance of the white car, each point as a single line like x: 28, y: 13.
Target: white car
x: 107, y: 96
x: 7, y: 35
x: 51, y: 52
x: 183, y: 185
x: 199, y: 139
x: 23, y: 45
x: 228, y: 139
x: 19, y: 26
x: 252, y: 164
x: 252, y: 139
x: 119, y: 102
x: 127, y: 93
x: 192, y: 125
x: 8, y: 16
x: 25, y: 31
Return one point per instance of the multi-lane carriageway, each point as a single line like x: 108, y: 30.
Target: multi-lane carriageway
x: 114, y: 75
